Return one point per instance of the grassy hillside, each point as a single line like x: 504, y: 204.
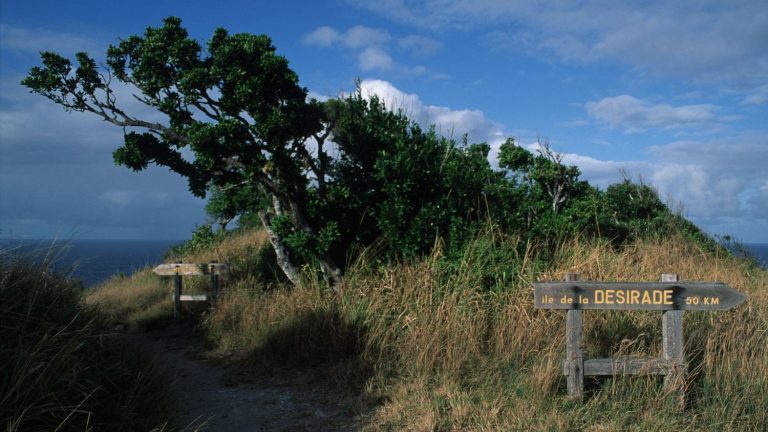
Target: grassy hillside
x: 438, y: 344
x: 63, y: 367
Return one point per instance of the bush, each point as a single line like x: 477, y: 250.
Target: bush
x: 203, y: 237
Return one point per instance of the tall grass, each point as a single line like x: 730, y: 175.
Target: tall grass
x: 444, y: 345
x: 62, y: 367
x: 142, y: 300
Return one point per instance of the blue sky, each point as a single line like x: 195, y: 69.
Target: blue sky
x: 673, y: 92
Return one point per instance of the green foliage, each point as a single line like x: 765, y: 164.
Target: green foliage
x: 369, y: 173
x: 397, y: 182
x: 236, y: 104
x: 204, y: 237
x: 226, y: 203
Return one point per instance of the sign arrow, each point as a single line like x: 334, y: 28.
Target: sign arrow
x: 190, y: 269
x: 694, y: 296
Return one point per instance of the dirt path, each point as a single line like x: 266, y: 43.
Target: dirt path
x: 206, y: 400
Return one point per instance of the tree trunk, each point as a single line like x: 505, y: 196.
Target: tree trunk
x: 281, y: 252
x: 330, y: 270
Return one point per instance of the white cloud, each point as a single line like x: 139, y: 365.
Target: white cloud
x: 699, y: 174
x: 419, y: 45
x: 603, y: 173
x: 356, y: 37
x: 449, y: 122
x: 707, y: 41
x: 633, y: 115
x: 324, y: 36
x: 758, y: 96
x: 32, y: 128
x: 373, y: 46
x: 33, y: 41
x: 374, y: 58
x: 720, y: 184
x: 362, y: 36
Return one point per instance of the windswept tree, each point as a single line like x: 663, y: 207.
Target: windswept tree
x: 225, y: 203
x: 324, y: 178
x: 235, y: 106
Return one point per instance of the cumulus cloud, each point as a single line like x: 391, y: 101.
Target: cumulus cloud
x: 758, y: 96
x: 449, y: 122
x: 120, y: 197
x: 373, y: 47
x: 33, y: 41
x: 57, y: 175
x: 356, y: 37
x: 633, y: 115
x: 374, y: 58
x: 715, y: 179
x: 324, y: 36
x: 719, y: 183
x: 713, y: 41
x: 362, y: 36
x: 419, y: 45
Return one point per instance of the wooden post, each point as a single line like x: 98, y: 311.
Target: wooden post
x: 670, y: 296
x: 214, y: 281
x: 673, y: 347
x: 177, y: 294
x: 573, y: 348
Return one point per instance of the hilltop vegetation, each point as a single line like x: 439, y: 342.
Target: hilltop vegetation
x: 329, y: 179
x: 439, y: 343
x: 399, y: 262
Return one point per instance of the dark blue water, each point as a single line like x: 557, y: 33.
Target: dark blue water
x: 759, y: 251
x: 93, y: 261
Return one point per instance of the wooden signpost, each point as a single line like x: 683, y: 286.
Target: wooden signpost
x: 177, y: 270
x: 669, y: 296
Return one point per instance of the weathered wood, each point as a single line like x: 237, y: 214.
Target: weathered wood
x: 190, y: 269
x: 177, y: 295
x: 179, y: 269
x: 574, y: 355
x: 673, y: 347
x: 624, y: 365
x: 667, y: 295
x: 191, y: 297
x: 214, y: 282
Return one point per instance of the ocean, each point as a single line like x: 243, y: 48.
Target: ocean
x: 94, y: 261
x: 759, y: 251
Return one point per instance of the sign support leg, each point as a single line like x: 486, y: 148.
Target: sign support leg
x: 673, y: 348
x: 214, y: 282
x: 573, y: 346
x: 177, y: 296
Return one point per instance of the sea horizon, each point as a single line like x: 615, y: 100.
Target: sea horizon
x: 94, y: 261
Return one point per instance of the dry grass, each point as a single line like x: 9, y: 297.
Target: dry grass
x: 444, y: 352
x: 62, y: 367
x: 143, y: 299
x: 434, y: 345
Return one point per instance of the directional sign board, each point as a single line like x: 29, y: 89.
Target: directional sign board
x: 188, y: 269
x: 706, y: 296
